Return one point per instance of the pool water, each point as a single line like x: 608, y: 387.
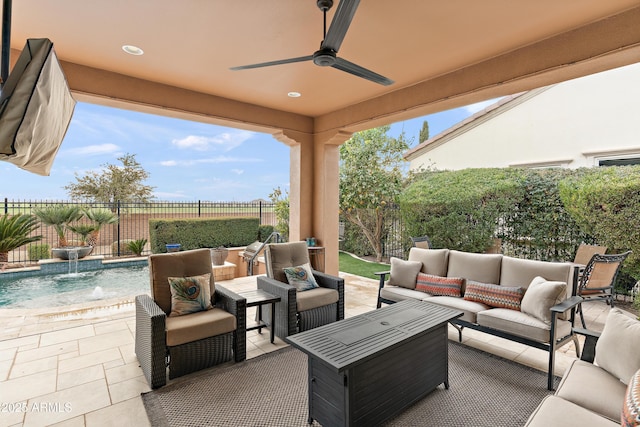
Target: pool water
x: 67, y: 289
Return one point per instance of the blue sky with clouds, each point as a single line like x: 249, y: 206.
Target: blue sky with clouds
x: 186, y: 160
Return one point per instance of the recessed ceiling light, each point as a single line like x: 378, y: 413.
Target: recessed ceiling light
x: 132, y: 50
x: 294, y: 94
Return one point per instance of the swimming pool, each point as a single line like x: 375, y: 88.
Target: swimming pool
x: 55, y: 290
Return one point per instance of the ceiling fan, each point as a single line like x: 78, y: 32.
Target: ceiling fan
x: 326, y: 56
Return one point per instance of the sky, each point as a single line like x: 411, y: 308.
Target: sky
x: 186, y: 161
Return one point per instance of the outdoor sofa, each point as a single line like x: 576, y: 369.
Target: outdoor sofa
x: 527, y: 301
x: 606, y: 393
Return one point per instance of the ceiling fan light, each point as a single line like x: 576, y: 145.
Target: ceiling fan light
x: 294, y: 94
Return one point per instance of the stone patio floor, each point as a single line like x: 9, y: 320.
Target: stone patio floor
x: 76, y: 366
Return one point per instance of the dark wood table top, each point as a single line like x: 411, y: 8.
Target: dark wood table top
x: 353, y: 340
x: 258, y: 296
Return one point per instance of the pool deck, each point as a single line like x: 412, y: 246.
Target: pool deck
x: 76, y: 366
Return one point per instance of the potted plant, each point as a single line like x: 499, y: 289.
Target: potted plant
x: 16, y: 231
x: 219, y: 255
x: 60, y: 217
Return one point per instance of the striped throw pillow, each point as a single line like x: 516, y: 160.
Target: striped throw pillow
x: 439, y: 286
x: 631, y: 408
x: 494, y: 295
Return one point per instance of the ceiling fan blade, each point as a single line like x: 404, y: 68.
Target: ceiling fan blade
x: 270, y: 63
x: 356, y: 70
x: 340, y: 24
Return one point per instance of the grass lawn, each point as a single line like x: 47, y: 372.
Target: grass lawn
x: 349, y: 264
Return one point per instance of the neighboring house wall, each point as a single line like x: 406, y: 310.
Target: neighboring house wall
x: 572, y: 124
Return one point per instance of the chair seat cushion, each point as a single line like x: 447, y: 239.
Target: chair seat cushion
x: 521, y: 324
x: 200, y: 325
x: 554, y: 411
x: 593, y: 388
x: 315, y: 298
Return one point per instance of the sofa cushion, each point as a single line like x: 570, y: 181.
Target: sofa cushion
x: 494, y: 295
x: 521, y: 324
x: 197, y: 326
x: 398, y: 293
x: 617, y: 350
x: 404, y: 273
x: 434, y: 261
x: 631, y: 405
x: 470, y: 309
x: 540, y: 296
x: 521, y: 272
x: 190, y: 294
x: 314, y: 298
x: 438, y: 285
x: 484, y: 268
x: 554, y: 411
x: 301, y: 277
x: 592, y: 388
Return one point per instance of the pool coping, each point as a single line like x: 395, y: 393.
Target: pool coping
x: 60, y: 266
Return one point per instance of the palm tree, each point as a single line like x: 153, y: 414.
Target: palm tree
x: 84, y: 231
x: 100, y: 217
x: 59, y: 216
x: 16, y: 231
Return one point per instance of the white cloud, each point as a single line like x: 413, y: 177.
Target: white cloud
x: 237, y: 171
x: 94, y: 150
x: 162, y: 195
x: 210, y: 160
x: 224, y: 141
x: 478, y: 106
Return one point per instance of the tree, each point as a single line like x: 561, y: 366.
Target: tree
x: 424, y: 132
x: 280, y: 201
x: 372, y: 175
x: 59, y: 217
x: 113, y: 183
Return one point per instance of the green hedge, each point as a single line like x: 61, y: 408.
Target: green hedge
x: 605, y: 202
x: 460, y: 209
x: 538, y: 226
x: 202, y: 233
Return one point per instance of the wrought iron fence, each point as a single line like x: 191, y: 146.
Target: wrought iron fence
x: 133, y: 221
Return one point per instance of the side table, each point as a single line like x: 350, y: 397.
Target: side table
x: 258, y: 298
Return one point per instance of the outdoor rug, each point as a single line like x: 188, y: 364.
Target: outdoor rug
x: 271, y: 390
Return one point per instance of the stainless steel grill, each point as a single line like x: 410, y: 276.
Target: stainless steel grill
x: 252, y: 251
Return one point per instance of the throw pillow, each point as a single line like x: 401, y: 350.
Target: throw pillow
x: 540, y: 296
x: 494, y: 295
x: 617, y: 348
x: 190, y: 294
x: 301, y: 277
x: 631, y: 407
x: 438, y: 285
x: 404, y: 273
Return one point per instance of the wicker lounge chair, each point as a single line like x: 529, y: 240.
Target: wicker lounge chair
x: 421, y: 242
x: 299, y: 311
x: 188, y: 342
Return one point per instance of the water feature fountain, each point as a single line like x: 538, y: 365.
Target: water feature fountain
x: 73, y: 261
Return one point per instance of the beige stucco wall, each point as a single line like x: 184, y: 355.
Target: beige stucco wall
x: 571, y: 124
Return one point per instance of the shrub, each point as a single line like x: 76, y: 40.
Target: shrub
x: 124, y: 247
x: 137, y: 246
x: 604, y: 203
x: 202, y: 232
x: 460, y: 209
x: 39, y: 251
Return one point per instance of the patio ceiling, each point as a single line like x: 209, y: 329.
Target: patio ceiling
x: 441, y: 54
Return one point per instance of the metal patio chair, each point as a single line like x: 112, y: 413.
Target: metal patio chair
x: 598, y: 278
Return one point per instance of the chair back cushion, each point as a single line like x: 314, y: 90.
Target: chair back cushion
x: 177, y: 264
x: 434, y: 261
x: 585, y: 252
x: 617, y: 349
x: 483, y: 268
x: 278, y: 256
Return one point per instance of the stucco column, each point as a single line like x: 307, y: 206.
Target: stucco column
x: 314, y: 189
